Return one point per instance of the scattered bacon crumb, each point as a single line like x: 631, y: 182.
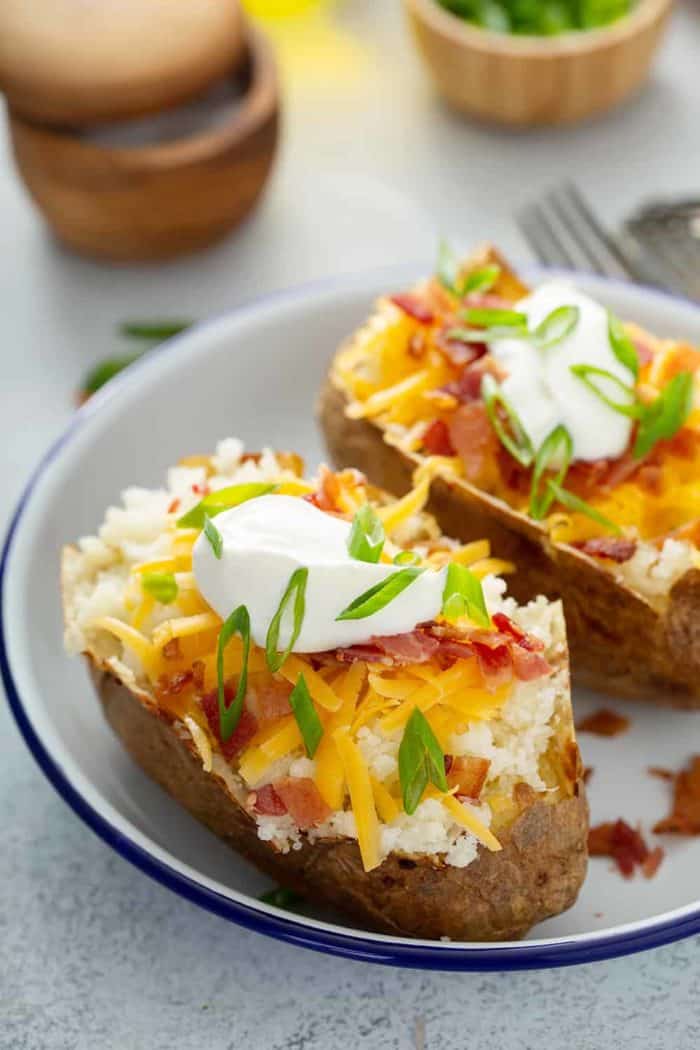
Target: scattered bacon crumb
x: 653, y: 862
x: 198, y: 669
x: 457, y: 352
x: 272, y: 699
x: 171, y: 650
x: 468, y: 774
x: 604, y: 723
x: 201, y: 490
x: 175, y: 504
x: 609, y: 547
x: 171, y: 685
x: 266, y: 802
x: 684, y: 818
x: 473, y: 438
x: 625, y: 845
x: 417, y: 346
x: 436, y: 440
x: 587, y: 773
x: 661, y: 773
x: 412, y: 305
x: 245, y: 730
x: 303, y: 800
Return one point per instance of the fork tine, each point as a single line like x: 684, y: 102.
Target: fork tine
x: 542, y: 239
x: 597, y: 245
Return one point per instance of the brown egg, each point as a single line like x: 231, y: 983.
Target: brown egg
x: 79, y: 61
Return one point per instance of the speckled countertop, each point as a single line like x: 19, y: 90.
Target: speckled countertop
x: 94, y: 956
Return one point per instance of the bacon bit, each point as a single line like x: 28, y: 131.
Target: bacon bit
x: 488, y: 301
x: 417, y: 346
x: 587, y: 773
x: 473, y: 438
x: 173, y: 685
x: 514, y: 475
x: 198, y: 669
x: 604, y: 723
x: 171, y: 650
x: 650, y: 478
x: 326, y: 497
x: 303, y: 800
x: 661, y: 773
x: 467, y: 386
x: 368, y: 654
x: 273, y: 699
x: 653, y: 862
x: 414, y: 307
x: 610, y: 547
x: 449, y: 759
x: 506, y: 626
x: 495, y: 663
x: 622, y: 843
x: 457, y: 352
x: 201, y: 490
x: 436, y: 440
x: 468, y: 774
x: 245, y: 730
x: 266, y: 802
x: 174, y: 505
x: 684, y: 818
x: 528, y: 665
x: 645, y: 352
x: 414, y: 647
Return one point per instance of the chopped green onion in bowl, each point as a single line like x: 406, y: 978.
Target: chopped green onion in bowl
x: 538, y: 17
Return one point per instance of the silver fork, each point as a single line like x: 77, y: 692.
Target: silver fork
x: 563, y: 231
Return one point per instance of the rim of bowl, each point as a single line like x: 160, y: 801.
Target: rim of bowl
x: 574, y: 42
x: 319, y: 935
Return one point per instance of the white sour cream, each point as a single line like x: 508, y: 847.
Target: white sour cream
x: 545, y: 393
x: 266, y: 539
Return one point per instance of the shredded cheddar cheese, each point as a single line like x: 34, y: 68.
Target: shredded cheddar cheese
x: 361, y: 798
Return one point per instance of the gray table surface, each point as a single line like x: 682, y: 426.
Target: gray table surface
x: 93, y: 954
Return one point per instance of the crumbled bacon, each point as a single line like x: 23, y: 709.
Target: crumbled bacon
x: 468, y: 774
x: 198, y: 669
x: 414, y: 307
x: 684, y: 818
x: 624, y: 844
x: 272, y: 699
x: 266, y: 802
x: 473, y: 438
x: 528, y: 665
x: 200, y: 490
x: 495, y: 661
x: 173, y: 684
x: 467, y: 386
x: 245, y: 730
x: 417, y: 346
x: 171, y: 650
x: 303, y: 801
x: 514, y: 475
x: 413, y: 647
x: 651, y: 865
x: 587, y: 773
x: 436, y: 440
x: 604, y: 723
x: 613, y: 548
x: 506, y: 626
x: 456, y: 351
x: 173, y: 505
x: 487, y: 301
x: 661, y: 773
x: 645, y: 351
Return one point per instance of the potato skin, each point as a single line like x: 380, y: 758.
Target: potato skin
x: 498, y: 897
x: 618, y: 642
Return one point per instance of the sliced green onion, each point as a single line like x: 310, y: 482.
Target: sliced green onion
x: 464, y: 596
x: 366, y: 539
x: 220, y: 500
x: 556, y: 326
x: 447, y: 268
x: 622, y: 346
x: 160, y: 585
x: 281, y: 897
x: 490, y: 318
x: 420, y: 760
x: 575, y: 503
x: 306, y: 716
x: 216, y: 541
x: 486, y: 335
x: 237, y: 623
x: 153, y: 331
x: 296, y: 587
x: 407, y: 558
x: 558, y: 441
x: 483, y: 279
x: 104, y: 371
x: 665, y: 416
x: 519, y: 445
x: 587, y: 375
x: 377, y: 597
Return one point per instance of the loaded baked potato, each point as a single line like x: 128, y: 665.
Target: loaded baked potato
x: 569, y: 440
x: 408, y: 756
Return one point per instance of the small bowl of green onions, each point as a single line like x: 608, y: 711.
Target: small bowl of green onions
x: 529, y: 62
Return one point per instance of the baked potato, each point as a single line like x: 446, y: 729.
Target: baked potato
x: 428, y: 384
x: 425, y: 783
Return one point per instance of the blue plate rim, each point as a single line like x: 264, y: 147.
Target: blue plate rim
x: 271, y: 921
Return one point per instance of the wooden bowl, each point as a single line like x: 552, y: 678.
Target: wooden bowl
x: 156, y: 201
x: 536, y: 80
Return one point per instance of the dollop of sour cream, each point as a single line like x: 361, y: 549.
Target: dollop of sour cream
x: 266, y: 539
x: 543, y: 390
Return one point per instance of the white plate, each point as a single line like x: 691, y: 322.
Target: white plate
x: 255, y: 373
